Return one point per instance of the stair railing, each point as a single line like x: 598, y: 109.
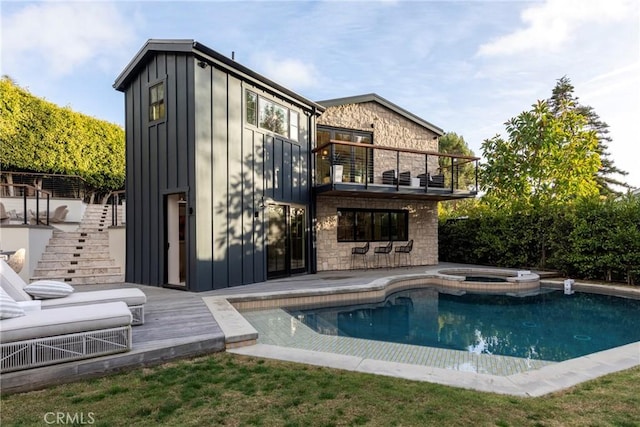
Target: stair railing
x: 115, y: 202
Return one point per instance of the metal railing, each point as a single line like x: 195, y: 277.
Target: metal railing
x: 115, y: 199
x: 28, y: 192
x: 368, y: 165
x: 59, y: 186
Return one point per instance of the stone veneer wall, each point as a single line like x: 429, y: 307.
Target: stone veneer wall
x: 390, y: 130
x: 334, y: 255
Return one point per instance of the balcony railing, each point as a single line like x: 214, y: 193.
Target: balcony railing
x: 352, y: 166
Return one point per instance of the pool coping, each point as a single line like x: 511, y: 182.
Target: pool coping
x: 241, y: 338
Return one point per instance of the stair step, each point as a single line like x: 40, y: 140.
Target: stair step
x: 58, y: 241
x: 75, y: 263
x: 75, y: 271
x: 89, y: 234
x: 74, y: 256
x: 72, y: 272
x: 85, y: 279
x: 80, y: 246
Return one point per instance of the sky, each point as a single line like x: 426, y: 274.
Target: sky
x: 465, y: 66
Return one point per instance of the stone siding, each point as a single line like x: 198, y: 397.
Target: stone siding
x: 390, y: 129
x: 334, y: 255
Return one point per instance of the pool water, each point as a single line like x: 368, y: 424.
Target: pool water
x: 550, y: 326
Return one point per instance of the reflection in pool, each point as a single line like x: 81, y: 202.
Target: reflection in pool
x: 549, y: 326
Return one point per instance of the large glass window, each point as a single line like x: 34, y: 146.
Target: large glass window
x: 271, y: 116
x: 156, y: 102
x: 372, y: 225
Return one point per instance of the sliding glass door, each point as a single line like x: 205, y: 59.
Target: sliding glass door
x: 286, y: 240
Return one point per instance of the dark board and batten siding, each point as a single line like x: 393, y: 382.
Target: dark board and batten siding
x: 238, y: 168
x: 157, y: 162
x: 204, y: 148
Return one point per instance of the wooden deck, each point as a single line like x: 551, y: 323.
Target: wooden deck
x: 177, y: 324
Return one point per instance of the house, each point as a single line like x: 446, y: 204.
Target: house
x: 229, y: 174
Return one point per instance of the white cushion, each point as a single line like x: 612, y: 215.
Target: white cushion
x: 62, y: 321
x: 12, y: 283
x: 131, y: 296
x: 8, y: 307
x: 44, y: 289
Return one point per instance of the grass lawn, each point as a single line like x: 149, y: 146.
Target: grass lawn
x: 226, y: 389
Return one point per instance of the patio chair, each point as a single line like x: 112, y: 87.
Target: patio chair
x: 16, y: 261
x: 59, y: 214
x: 31, y: 338
x: 390, y: 177
x: 4, y: 216
x: 383, y: 250
x: 360, y: 251
x: 52, y: 294
x: 403, y: 250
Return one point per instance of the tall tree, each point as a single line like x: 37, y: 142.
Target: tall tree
x: 563, y: 95
x: 452, y: 143
x: 548, y: 158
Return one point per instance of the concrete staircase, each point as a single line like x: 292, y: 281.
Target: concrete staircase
x: 81, y: 256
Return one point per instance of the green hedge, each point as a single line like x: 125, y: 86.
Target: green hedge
x: 38, y: 136
x: 591, y: 239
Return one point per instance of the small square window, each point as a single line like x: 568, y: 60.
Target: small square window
x: 156, y: 102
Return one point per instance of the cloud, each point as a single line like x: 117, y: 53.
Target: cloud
x: 550, y: 25
x: 289, y: 72
x: 62, y: 36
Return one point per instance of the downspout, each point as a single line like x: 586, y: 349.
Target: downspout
x: 311, y: 244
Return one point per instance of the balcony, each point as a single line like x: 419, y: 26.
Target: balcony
x: 354, y: 169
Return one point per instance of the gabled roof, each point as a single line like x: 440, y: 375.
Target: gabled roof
x: 372, y: 97
x: 153, y: 46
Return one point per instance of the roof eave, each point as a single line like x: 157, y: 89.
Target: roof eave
x: 372, y: 97
x: 206, y: 53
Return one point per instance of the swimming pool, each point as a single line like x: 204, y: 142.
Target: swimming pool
x: 255, y: 323
x: 550, y: 326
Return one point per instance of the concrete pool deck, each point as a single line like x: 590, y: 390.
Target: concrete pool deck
x: 181, y: 324
x: 537, y: 380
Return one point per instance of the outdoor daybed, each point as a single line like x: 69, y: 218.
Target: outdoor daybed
x: 44, y: 337
x: 51, y: 294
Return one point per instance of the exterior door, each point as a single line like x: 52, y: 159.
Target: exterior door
x: 286, y: 240
x: 176, y: 263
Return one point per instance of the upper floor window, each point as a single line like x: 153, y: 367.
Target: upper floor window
x: 271, y: 116
x: 156, y: 102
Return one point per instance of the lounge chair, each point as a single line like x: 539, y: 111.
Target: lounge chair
x: 4, y: 216
x: 13, y: 285
x: 58, y: 215
x: 16, y: 261
x: 45, y: 337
